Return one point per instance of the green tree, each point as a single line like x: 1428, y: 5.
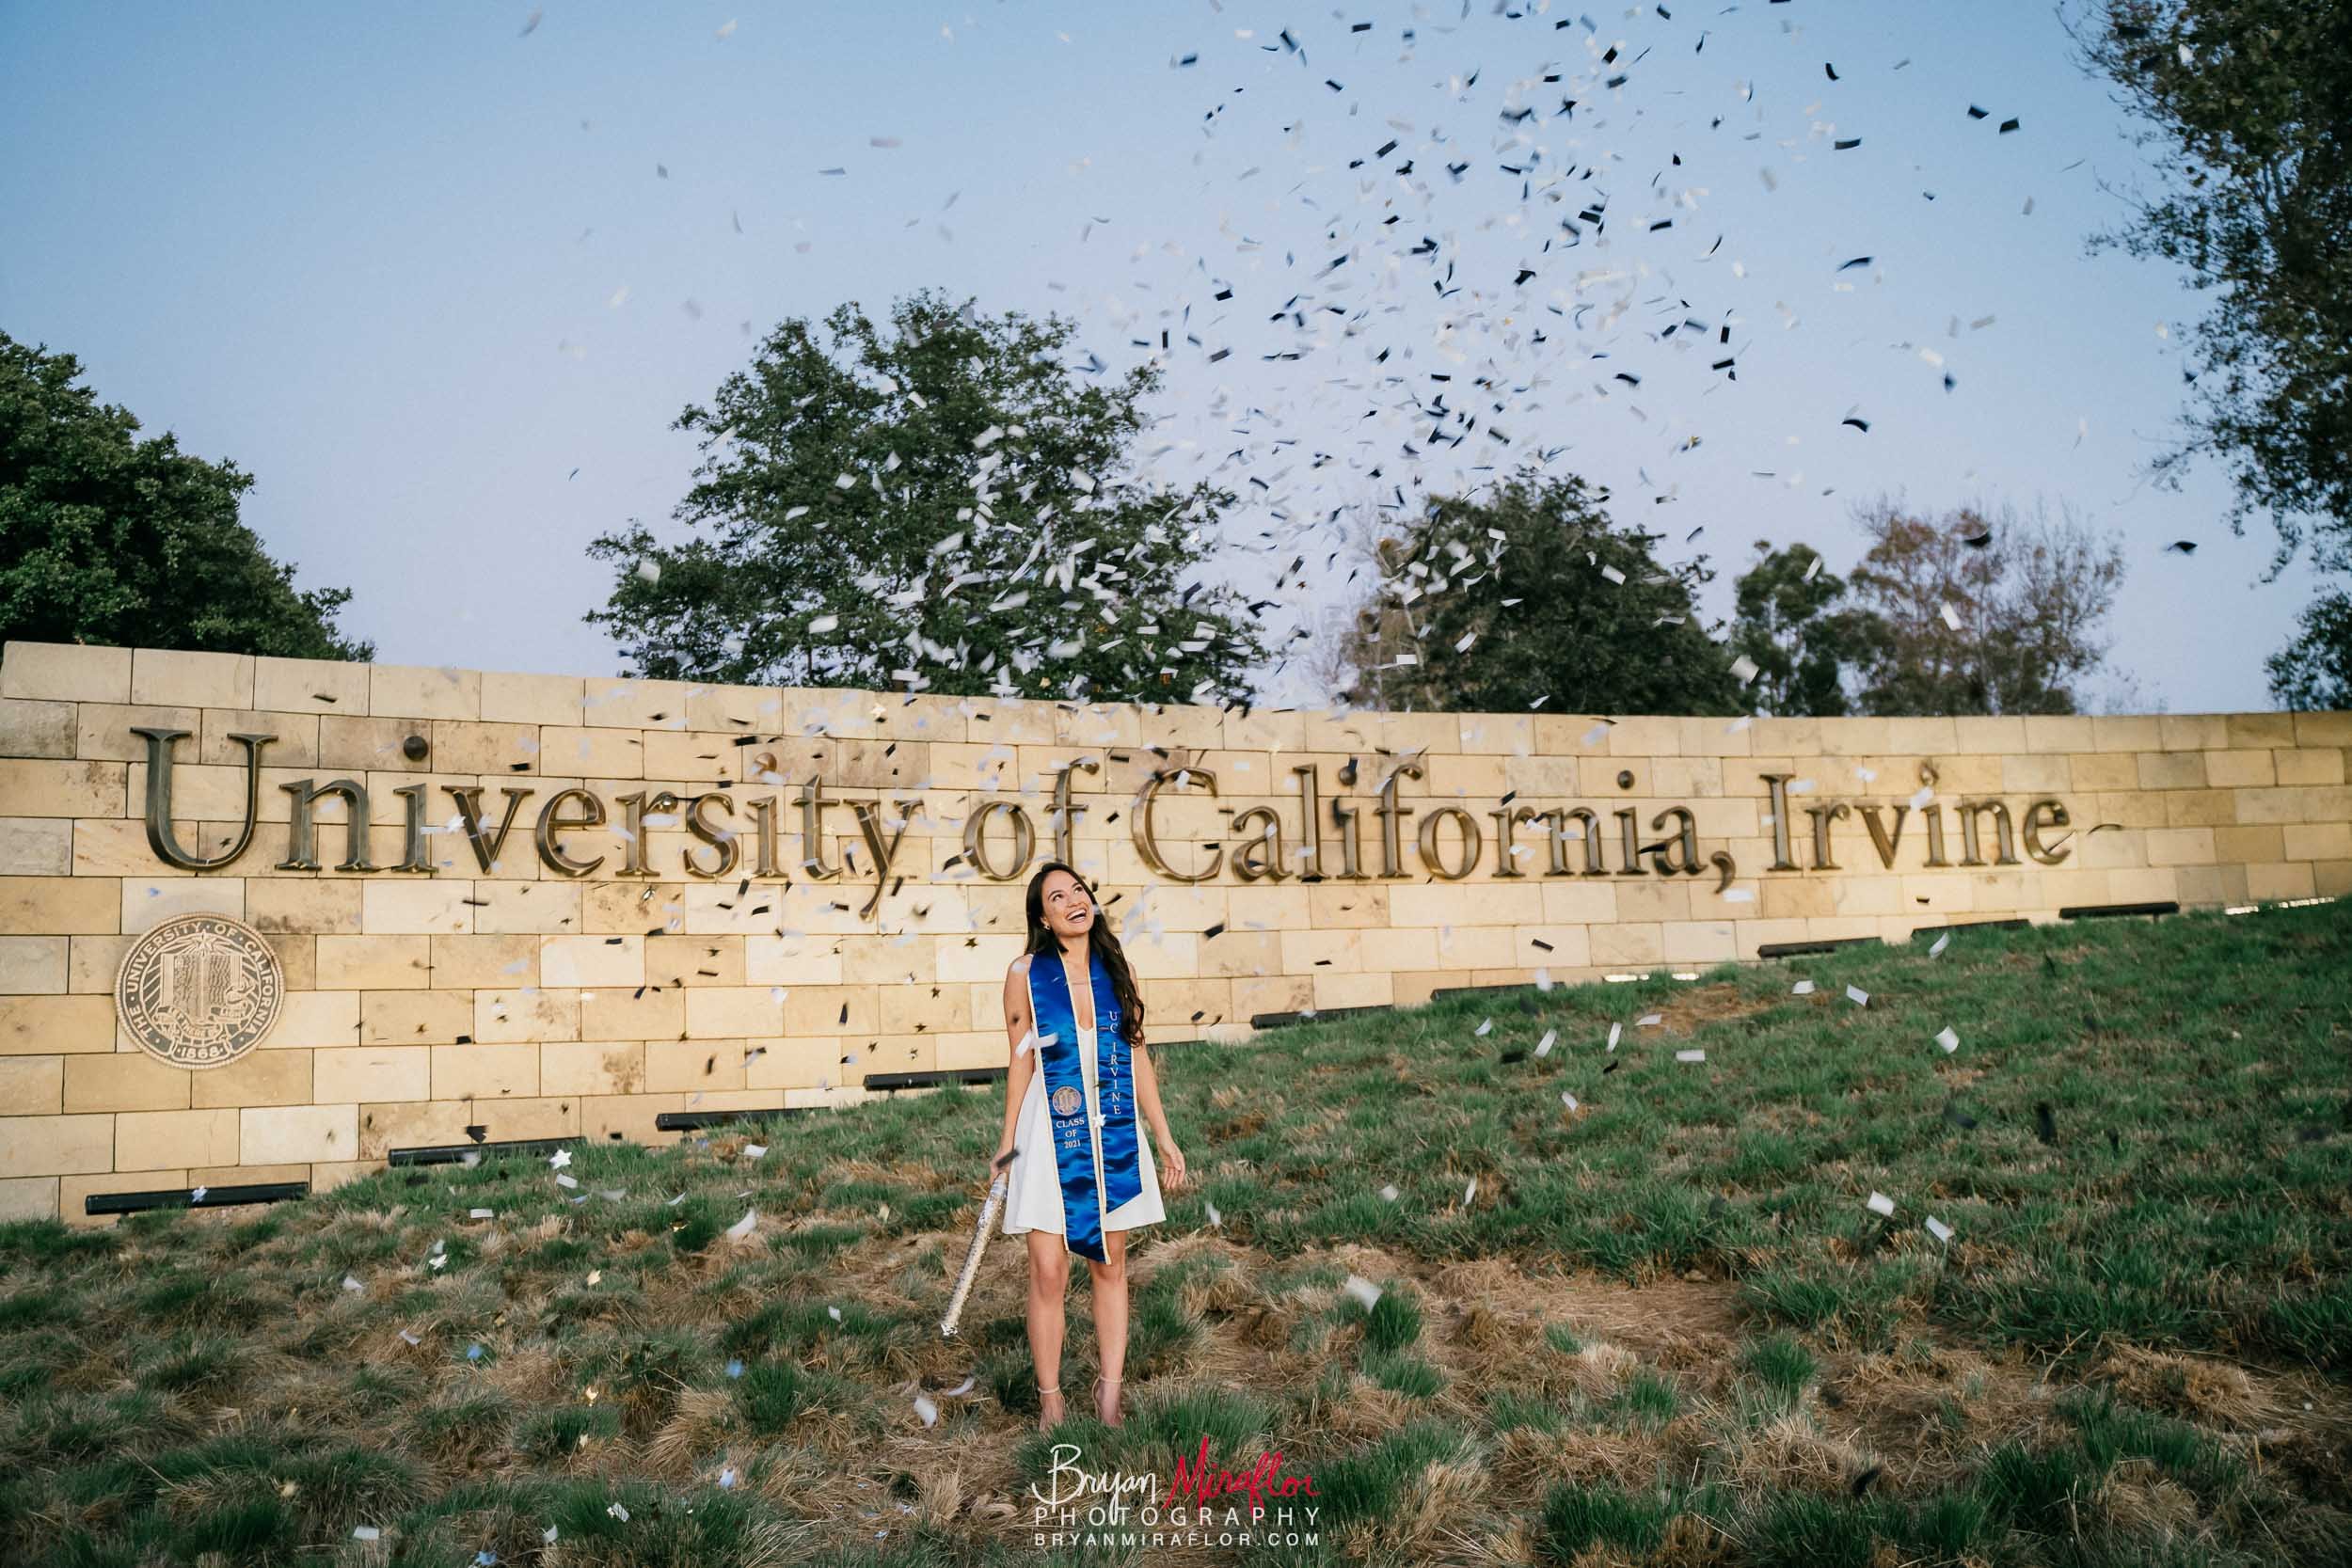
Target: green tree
x: 1809, y: 646
x: 2314, y: 670
x: 1530, y: 597
x: 938, y: 503
x: 109, y: 539
x: 1981, y: 613
x: 2246, y: 108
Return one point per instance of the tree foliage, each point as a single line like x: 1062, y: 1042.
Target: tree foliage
x: 1530, y: 597
x: 2314, y: 670
x: 938, y: 502
x: 1982, y: 613
x: 109, y: 539
x: 1809, y: 645
x: 2249, y: 104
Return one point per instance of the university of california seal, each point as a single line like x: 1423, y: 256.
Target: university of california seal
x: 1066, y: 1102
x: 200, y: 991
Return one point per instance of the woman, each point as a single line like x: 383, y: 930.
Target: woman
x: 1081, y: 1177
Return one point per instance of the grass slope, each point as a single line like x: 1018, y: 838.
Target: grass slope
x: 1662, y: 1326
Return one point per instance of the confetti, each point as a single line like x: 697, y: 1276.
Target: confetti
x: 1939, y: 944
x: 365, y: 1532
x: 1938, y: 1229
x: 1362, y: 1289
x: 1948, y: 1041
x: 1616, y: 1032
x: 1568, y: 1100
x: 1215, y: 1218
x: 927, y: 1410
x: 1543, y: 1047
x: 1856, y: 995
x: 1388, y: 1193
x: 1691, y: 1056
x: 618, y: 1512
x: 1881, y: 1204
x: 743, y: 1227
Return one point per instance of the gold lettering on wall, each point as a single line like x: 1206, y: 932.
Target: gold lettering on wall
x: 1449, y: 840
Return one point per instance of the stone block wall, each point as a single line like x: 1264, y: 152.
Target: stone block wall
x: 705, y: 964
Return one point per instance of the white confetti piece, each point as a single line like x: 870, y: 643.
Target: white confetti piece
x: 1691, y: 1056
x: 1543, y: 1047
x: 1881, y: 1204
x: 198, y: 1195
x: 1951, y: 616
x: 726, y: 1478
x: 743, y: 1227
x: 1649, y: 1020
x: 1938, y: 1229
x: 1388, y: 1193
x: 1362, y: 1289
x: 963, y: 1388
x: 619, y: 1511
x: 1616, y: 1030
x: 1215, y: 1218
x: 366, y: 1532
x: 410, y: 1337
x: 834, y: 1312
x: 548, y: 1535
x: 561, y: 1158
x: 352, y: 1284
x: 1745, y: 667
x: 927, y: 1410
x: 1948, y: 1041
x: 1856, y: 995
x: 1919, y: 802
x: 567, y: 1180
x: 1568, y: 1100
x: 1939, y: 944
x: 596, y: 1276
x: 754, y: 1151
x: 1487, y: 1027
x: 649, y: 571
x: 822, y: 624
x: 482, y: 1213
x: 1613, y: 574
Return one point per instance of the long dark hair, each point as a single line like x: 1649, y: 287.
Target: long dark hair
x: 1104, y: 941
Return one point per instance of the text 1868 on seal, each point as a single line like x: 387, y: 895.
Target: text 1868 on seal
x: 199, y: 989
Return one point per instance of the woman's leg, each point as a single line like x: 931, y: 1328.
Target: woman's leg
x: 1110, y: 1322
x: 1049, y: 1278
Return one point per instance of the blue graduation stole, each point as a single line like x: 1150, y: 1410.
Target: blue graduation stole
x: 1084, y: 1199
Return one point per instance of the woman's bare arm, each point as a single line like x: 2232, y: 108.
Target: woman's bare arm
x: 1021, y: 1064
x: 1148, y: 1095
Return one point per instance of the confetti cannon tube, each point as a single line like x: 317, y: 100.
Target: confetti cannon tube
x: 972, y: 1256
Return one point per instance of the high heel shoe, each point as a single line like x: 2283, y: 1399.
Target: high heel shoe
x: 1112, y: 1420
x: 1044, y: 1423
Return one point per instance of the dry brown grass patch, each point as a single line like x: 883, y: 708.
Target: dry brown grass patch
x: 1790, y: 1452
x: 2212, y: 1393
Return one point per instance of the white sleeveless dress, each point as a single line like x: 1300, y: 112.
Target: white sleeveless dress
x: 1033, y: 1185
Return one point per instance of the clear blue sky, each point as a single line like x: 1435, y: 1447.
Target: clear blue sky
x: 412, y: 266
